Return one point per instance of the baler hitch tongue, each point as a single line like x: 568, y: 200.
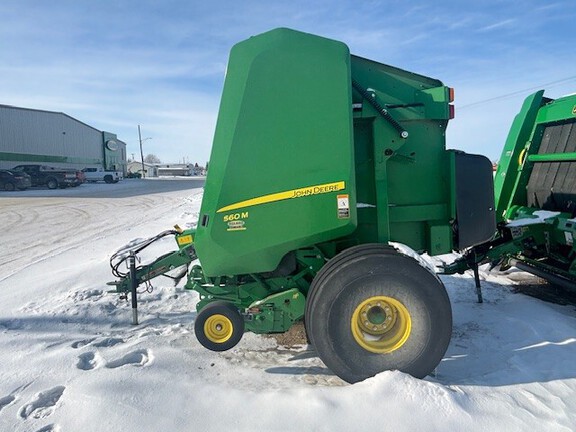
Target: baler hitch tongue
x: 116, y: 284
x: 161, y: 266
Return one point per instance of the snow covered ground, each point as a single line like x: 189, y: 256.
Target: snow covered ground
x: 71, y: 361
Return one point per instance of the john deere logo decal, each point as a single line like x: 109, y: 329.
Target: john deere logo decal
x: 574, y: 110
x: 289, y: 194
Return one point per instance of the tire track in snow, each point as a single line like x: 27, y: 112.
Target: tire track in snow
x: 75, y: 220
x: 14, y: 218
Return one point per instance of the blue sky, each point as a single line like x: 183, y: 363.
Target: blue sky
x: 161, y: 64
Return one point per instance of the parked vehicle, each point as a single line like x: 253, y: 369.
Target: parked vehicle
x: 80, y: 178
x: 100, y: 174
x: 51, y: 177
x: 10, y: 180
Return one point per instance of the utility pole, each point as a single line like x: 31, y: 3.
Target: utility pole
x: 141, y: 152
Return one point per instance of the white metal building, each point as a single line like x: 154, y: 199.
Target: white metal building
x: 150, y: 170
x: 52, y: 138
x: 172, y: 170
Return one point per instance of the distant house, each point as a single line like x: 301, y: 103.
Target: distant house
x: 173, y: 170
x: 150, y: 170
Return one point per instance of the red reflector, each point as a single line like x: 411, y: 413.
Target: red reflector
x: 451, y: 107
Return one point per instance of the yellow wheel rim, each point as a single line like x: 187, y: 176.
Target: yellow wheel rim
x: 218, y: 328
x: 381, y: 324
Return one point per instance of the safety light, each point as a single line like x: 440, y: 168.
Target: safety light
x: 450, y: 100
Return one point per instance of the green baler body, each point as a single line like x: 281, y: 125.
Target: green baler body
x: 283, y: 130
x: 317, y: 151
x: 301, y: 158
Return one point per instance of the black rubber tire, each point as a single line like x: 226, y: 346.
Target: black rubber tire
x: 369, y: 271
x: 52, y: 183
x: 108, y: 178
x: 9, y: 186
x: 328, y: 268
x: 232, y: 317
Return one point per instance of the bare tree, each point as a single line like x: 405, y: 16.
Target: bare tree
x: 152, y: 159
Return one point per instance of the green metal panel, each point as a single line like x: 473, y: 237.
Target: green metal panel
x: 282, y: 154
x: 562, y: 109
x: 509, y: 166
x: 404, y: 189
x: 113, y: 157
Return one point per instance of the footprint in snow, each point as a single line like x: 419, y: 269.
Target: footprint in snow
x: 49, y: 428
x: 104, y: 343
x: 89, y: 360
x: 81, y: 343
x: 135, y: 358
x: 6, y: 400
x: 10, y: 399
x: 43, y: 404
x: 108, y: 342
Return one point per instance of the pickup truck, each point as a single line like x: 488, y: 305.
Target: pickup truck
x: 100, y: 174
x: 52, y: 177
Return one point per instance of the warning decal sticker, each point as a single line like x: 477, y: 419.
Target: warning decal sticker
x: 343, y: 206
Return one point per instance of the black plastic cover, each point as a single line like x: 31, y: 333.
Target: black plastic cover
x: 475, y: 213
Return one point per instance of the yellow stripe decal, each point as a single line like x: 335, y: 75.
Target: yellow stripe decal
x: 280, y: 196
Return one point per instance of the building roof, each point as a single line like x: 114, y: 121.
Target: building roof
x: 140, y: 164
x: 49, y: 112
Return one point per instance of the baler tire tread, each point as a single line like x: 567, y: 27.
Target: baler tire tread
x: 379, y: 272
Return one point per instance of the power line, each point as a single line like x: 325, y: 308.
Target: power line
x: 516, y: 93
